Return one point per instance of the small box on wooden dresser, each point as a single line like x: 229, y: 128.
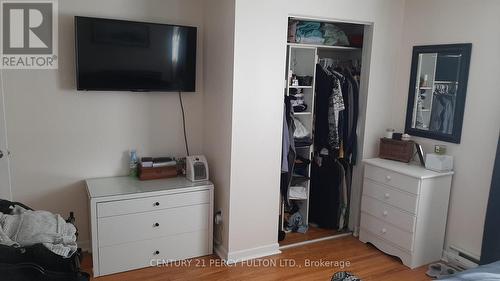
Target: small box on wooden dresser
x: 404, y: 209
x: 137, y: 224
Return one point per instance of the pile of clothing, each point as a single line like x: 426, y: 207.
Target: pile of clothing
x: 25, y: 228
x: 297, y: 100
x: 312, y: 32
x: 38, y: 245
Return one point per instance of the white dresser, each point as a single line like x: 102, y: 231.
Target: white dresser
x: 136, y: 223
x: 404, y: 210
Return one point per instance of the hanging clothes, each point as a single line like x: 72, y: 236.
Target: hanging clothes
x: 325, y: 125
x: 350, y: 138
x: 324, y: 195
x: 442, y: 113
x: 335, y: 106
x: 288, y: 149
x: 335, y: 139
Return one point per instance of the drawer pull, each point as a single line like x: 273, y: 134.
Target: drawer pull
x: 156, y: 204
x: 384, y: 230
x: 388, y: 178
x: 156, y: 224
x: 385, y: 213
x: 156, y: 253
x: 387, y: 195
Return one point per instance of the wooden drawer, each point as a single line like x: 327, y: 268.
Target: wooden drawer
x: 388, y: 214
x: 118, y: 258
x: 147, y: 204
x: 140, y: 226
x: 387, y: 232
x: 391, y: 196
x: 393, y: 179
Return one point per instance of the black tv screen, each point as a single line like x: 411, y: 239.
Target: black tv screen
x: 117, y: 55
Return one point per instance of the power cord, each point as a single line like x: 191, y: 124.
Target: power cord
x: 184, y: 123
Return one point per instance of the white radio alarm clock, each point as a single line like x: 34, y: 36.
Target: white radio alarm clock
x: 196, y: 168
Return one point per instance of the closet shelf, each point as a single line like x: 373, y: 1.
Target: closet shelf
x: 297, y: 198
x: 342, y: 48
x: 302, y: 113
x: 300, y: 178
x: 300, y: 87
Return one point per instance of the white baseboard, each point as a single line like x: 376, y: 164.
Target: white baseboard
x: 254, y: 253
x: 454, y: 258
x: 85, y: 245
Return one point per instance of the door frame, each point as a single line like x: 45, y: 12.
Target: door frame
x: 5, y: 184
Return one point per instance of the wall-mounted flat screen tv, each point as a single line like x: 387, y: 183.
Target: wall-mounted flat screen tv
x: 117, y: 55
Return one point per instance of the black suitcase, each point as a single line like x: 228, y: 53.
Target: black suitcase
x: 36, y: 262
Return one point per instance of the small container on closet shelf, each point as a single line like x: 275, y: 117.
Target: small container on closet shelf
x: 305, y: 80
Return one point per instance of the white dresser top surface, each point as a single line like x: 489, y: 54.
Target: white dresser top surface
x: 408, y: 169
x: 115, y: 186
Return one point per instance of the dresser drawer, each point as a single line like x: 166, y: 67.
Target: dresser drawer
x: 393, y: 179
x: 388, y: 214
x: 386, y: 231
x: 147, y: 204
x: 134, y: 227
x: 391, y: 196
x: 118, y: 258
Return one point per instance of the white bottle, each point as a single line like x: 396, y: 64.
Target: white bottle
x: 133, y: 163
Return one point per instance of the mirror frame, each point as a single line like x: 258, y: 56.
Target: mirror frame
x: 455, y: 136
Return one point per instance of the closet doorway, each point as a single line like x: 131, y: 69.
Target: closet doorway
x: 325, y: 108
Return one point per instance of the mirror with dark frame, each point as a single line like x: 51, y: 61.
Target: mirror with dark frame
x: 438, y: 85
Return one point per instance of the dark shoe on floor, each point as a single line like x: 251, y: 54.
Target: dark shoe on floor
x: 344, y: 276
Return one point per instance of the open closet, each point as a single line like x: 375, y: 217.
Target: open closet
x: 320, y: 128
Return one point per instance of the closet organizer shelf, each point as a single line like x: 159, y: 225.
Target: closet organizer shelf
x: 300, y: 87
x: 304, y: 45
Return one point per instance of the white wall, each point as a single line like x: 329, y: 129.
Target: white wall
x: 461, y: 21
x: 58, y: 136
x: 218, y: 91
x: 5, y: 192
x: 259, y: 63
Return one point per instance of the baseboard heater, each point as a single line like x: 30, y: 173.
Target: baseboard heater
x: 459, y: 258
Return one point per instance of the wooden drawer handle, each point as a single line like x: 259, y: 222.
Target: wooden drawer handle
x: 156, y: 224
x: 156, y: 204
x: 156, y: 253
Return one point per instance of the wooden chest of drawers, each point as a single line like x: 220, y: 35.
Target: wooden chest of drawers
x: 137, y: 224
x: 404, y: 210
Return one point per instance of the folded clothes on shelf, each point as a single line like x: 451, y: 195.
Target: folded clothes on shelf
x: 303, y: 142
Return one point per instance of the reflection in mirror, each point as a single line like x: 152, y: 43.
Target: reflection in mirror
x: 437, y: 91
